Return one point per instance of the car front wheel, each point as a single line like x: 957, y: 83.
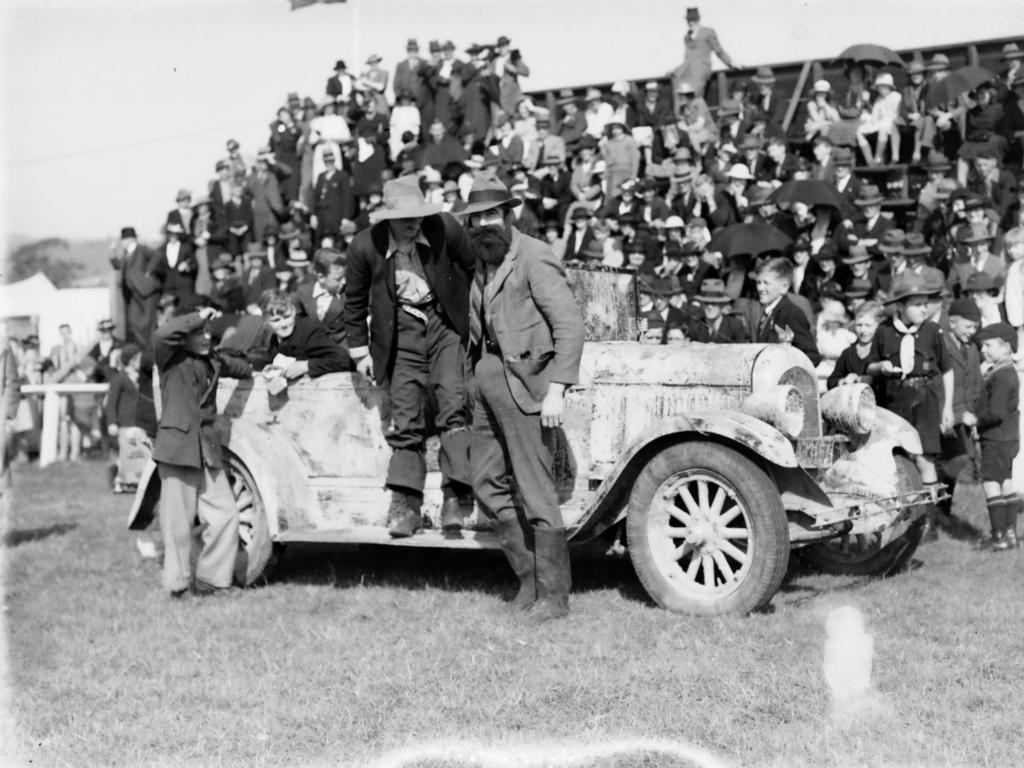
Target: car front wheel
x: 706, y: 530
x: 256, y: 552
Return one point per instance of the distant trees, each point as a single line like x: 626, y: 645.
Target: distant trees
x: 50, y: 256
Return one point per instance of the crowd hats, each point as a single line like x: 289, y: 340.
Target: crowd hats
x: 128, y: 232
x: 914, y: 244
x: 693, y: 14
x: 297, y: 259
x: 966, y: 308
x: 822, y: 86
x: 741, y: 172
x: 916, y: 67
x: 374, y: 58
x: 934, y: 281
x: 1012, y: 51
x: 827, y: 252
x: 907, y: 285
x: 842, y: 156
x: 858, y: 289
x: 712, y: 291
x: 580, y: 213
x: 758, y: 195
x: 832, y: 290
x: 945, y: 189
x: 972, y: 236
x: 869, y: 195
x: 402, y: 199
x: 339, y: 65
x: 939, y: 63
x: 503, y: 40
x: 487, y: 194
x: 884, y: 79
x: 412, y: 45
x: 1003, y: 331
x: 105, y: 325
x: 592, y: 95
x: 937, y: 162
x: 256, y: 251
x: 981, y: 282
x: 764, y: 76
x: 892, y: 241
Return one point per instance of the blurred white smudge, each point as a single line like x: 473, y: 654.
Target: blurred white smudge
x: 849, y: 654
x: 546, y: 755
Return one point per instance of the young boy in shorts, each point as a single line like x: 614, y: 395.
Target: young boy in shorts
x: 998, y: 423
x: 916, y: 372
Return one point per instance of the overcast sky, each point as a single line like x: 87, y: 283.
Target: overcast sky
x: 111, y: 105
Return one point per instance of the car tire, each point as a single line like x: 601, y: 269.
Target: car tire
x: 706, y: 531
x: 257, y: 553
x: 860, y: 555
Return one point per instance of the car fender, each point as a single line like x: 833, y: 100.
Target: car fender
x: 897, y: 430
x: 272, y: 461
x: 750, y: 434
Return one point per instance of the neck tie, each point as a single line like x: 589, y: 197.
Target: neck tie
x: 906, y: 346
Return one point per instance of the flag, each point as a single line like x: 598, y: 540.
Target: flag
x: 296, y: 4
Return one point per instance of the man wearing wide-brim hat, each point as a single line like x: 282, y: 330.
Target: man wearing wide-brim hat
x: 526, y: 341
x: 409, y: 273
x: 870, y: 226
x: 976, y: 247
x: 718, y: 325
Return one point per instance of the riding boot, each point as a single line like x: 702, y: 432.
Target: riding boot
x: 997, y: 518
x: 520, y: 556
x: 554, y: 575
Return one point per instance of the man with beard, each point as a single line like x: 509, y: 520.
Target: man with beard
x: 526, y: 340
x: 410, y: 273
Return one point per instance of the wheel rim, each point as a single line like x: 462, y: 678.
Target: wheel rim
x: 701, y: 534
x: 246, y: 501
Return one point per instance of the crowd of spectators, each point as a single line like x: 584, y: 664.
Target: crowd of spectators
x: 722, y: 212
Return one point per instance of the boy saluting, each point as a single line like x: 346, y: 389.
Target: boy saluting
x: 188, y: 455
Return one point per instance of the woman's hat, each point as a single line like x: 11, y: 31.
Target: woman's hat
x: 916, y: 67
x: 869, y: 195
x: 593, y: 95
x: 827, y: 252
x: 740, y: 171
x: 402, y: 199
x: 489, y: 193
x: 712, y: 291
x: 822, y: 86
x: 884, y: 79
x: 939, y: 62
x: 297, y: 259
x: 373, y: 59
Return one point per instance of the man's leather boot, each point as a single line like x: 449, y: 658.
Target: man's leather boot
x: 520, y: 556
x: 404, y: 515
x: 454, y: 511
x: 554, y: 575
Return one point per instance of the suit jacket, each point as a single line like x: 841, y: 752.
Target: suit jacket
x: 966, y: 376
x: 139, y: 275
x: 781, y: 172
x: 571, y: 251
x: 731, y: 330
x: 410, y: 78
x: 188, y: 389
x: 179, y: 280
x: 571, y: 129
x: 533, y: 318
x: 786, y: 314
x: 370, y: 289
x: 333, y: 201
x: 254, y: 286
x: 311, y: 342
x: 334, y: 319
x: 696, y: 66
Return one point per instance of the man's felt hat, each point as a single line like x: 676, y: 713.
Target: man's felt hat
x: 256, y: 250
x: 945, y: 189
x: 1012, y: 51
x: 174, y: 228
x: 729, y: 108
x: 965, y: 308
x: 565, y: 96
x: 914, y: 244
x: 869, y: 195
x: 1003, y: 331
x: 297, y: 259
x: 651, y: 85
x: 486, y: 194
x: 916, y: 67
x: 339, y: 64
x: 907, y: 285
x: 412, y: 45
x: 858, y: 254
x: 105, y: 325
x: 981, y: 281
x: 936, y: 162
x: 448, y: 45
x: 858, y: 289
x: 289, y: 231
x: 712, y: 291
x: 685, y: 87
x: 434, y: 46
x: 373, y: 58
x: 693, y: 14
x: 750, y: 143
x: 970, y: 236
x: 827, y: 252
x: 758, y: 195
x: 592, y: 95
x: 402, y: 199
x: 127, y: 232
x: 842, y: 156
x: 892, y: 241
x: 939, y: 62
x: 764, y: 76
x: 503, y: 40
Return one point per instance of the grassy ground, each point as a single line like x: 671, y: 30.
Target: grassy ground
x: 351, y: 655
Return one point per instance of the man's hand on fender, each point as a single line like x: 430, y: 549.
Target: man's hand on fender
x: 551, y: 408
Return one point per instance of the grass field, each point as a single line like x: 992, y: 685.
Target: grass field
x: 353, y: 655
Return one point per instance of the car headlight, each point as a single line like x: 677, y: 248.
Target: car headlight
x: 850, y: 409
x: 782, y: 406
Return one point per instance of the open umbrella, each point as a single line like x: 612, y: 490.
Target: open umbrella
x: 957, y: 83
x: 869, y: 53
x: 752, y: 239
x: 810, y: 192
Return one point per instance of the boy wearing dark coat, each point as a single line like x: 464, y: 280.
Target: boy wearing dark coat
x: 782, y: 321
x: 302, y: 338
x: 998, y: 423
x: 188, y: 456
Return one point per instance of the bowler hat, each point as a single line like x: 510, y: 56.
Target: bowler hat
x: 869, y: 195
x: 758, y: 195
x: 965, y: 308
x: 764, y: 76
x: 981, y: 281
x: 1003, y: 331
x: 289, y: 231
x: 434, y: 46
x: 693, y: 14
x: 339, y: 64
x: 222, y: 165
x: 403, y: 200
x: 832, y: 290
x: 486, y: 194
x: 127, y: 232
x: 685, y: 87
x: 448, y: 45
x: 412, y: 45
x: 712, y: 291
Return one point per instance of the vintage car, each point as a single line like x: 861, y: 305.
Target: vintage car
x: 707, y: 463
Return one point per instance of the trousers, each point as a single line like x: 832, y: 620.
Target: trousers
x: 187, y: 493
x: 510, y: 450
x: 429, y: 366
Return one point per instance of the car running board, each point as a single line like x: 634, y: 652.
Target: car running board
x: 372, y: 534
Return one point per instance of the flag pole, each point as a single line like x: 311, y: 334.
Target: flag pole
x: 354, y: 5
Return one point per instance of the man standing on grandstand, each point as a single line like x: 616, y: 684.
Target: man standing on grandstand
x: 410, y: 273
x: 698, y: 45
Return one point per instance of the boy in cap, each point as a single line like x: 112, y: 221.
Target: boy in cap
x: 998, y: 423
x: 193, y: 483
x: 916, y: 372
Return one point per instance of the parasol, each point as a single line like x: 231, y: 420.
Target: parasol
x: 869, y: 53
x: 957, y: 83
x: 810, y: 192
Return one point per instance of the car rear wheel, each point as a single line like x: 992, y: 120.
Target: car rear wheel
x: 706, y: 530
x: 256, y: 551
x: 862, y: 554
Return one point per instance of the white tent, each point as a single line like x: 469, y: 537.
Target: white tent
x: 36, y: 297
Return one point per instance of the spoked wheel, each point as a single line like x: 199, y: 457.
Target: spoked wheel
x: 863, y: 554
x: 256, y: 549
x: 707, y: 532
